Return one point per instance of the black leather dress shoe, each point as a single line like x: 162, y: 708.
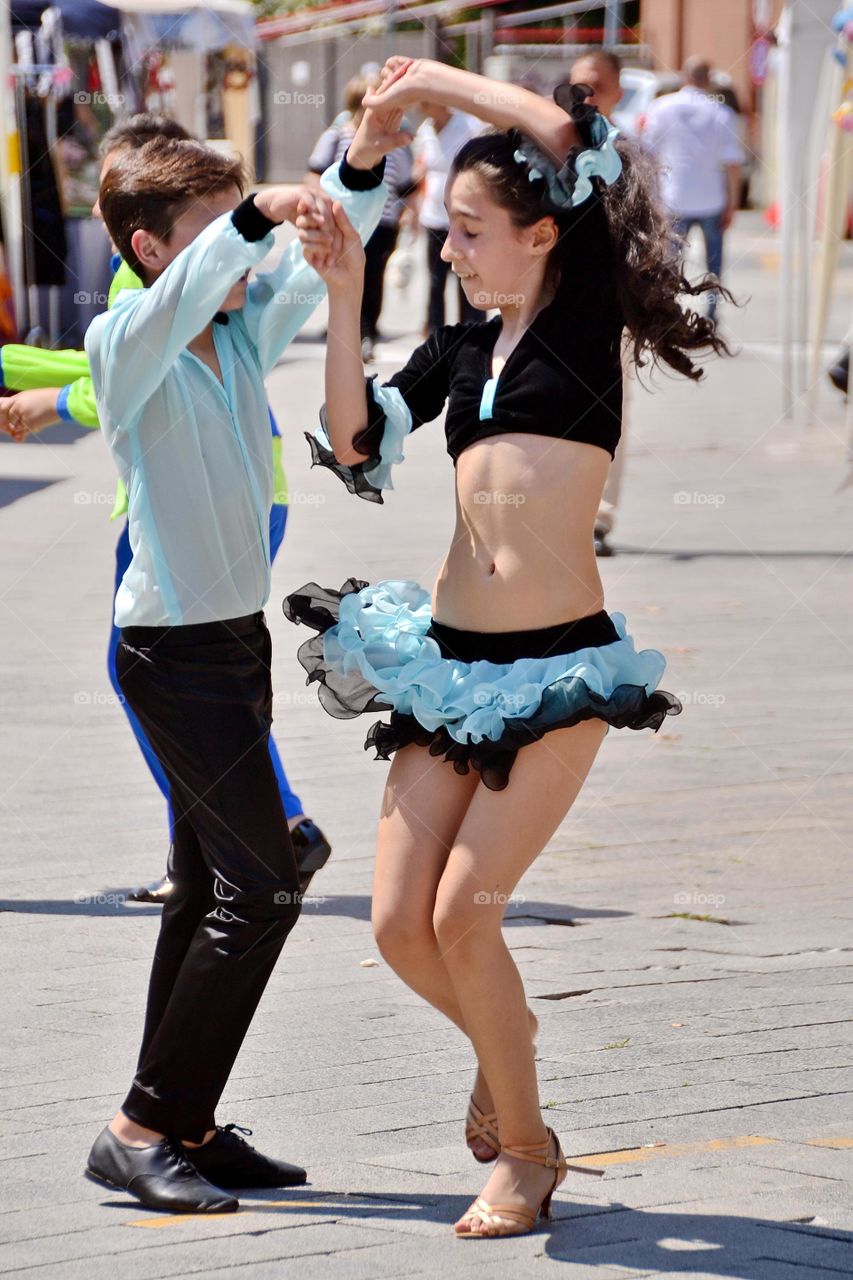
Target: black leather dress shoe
x: 312, y: 851
x: 156, y: 893
x: 839, y: 372
x: 230, y: 1162
x: 160, y: 1176
x: 602, y: 546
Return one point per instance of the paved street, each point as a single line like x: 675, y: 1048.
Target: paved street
x: 685, y: 939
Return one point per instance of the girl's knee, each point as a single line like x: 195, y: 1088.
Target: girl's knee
x: 399, y: 933
x: 465, y: 919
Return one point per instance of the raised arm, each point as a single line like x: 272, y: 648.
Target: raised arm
x: 506, y: 106
x: 364, y: 423
x: 279, y: 302
x: 132, y: 347
x: 338, y: 255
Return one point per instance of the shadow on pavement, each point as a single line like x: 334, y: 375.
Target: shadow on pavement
x: 681, y: 1244
x: 106, y: 902
x: 12, y: 490
x: 358, y: 907
x: 112, y: 902
x: 606, y: 1235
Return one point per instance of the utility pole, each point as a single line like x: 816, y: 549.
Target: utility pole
x: 679, y: 34
x: 613, y: 22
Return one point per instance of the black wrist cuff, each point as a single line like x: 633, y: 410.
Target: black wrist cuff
x: 361, y: 179
x: 250, y: 222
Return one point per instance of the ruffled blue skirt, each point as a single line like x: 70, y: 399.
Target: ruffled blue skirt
x: 374, y: 652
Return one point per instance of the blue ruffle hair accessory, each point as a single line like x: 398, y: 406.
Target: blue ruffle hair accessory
x: 597, y: 157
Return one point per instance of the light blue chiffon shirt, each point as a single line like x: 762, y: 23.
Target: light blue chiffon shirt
x: 195, y: 453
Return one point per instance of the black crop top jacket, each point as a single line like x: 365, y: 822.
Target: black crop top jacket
x: 563, y: 379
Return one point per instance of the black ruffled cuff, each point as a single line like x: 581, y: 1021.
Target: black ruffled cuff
x: 250, y: 222
x: 361, y: 179
x: 367, y: 441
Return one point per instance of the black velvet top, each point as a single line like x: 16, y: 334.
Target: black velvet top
x: 563, y: 379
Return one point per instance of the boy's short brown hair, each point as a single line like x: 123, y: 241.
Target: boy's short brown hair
x: 149, y: 188
x: 135, y: 131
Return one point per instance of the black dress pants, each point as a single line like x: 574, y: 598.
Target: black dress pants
x: 203, y: 694
x: 377, y: 251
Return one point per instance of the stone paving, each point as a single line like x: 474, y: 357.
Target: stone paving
x: 685, y: 938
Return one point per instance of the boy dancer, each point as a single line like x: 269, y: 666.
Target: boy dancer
x: 178, y: 369
x: 54, y: 385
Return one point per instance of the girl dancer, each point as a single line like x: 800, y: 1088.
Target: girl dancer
x: 513, y: 664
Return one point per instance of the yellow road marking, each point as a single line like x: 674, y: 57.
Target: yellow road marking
x: 170, y: 1219
x: 633, y: 1154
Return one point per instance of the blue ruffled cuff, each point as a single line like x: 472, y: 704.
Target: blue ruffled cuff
x: 398, y: 424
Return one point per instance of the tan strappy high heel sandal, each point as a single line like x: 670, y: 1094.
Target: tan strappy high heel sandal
x: 480, y: 1125
x: 508, y: 1219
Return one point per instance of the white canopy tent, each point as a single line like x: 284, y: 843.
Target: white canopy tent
x: 190, y: 31
x: 198, y: 25
x: 201, y: 24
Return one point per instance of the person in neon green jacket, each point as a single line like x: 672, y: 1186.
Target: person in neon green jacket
x: 55, y: 386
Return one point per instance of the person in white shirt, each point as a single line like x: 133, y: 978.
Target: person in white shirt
x: 694, y: 137
x: 437, y: 141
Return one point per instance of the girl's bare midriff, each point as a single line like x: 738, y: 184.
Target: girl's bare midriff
x: 522, y: 555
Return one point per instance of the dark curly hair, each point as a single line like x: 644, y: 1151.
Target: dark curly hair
x: 618, y: 237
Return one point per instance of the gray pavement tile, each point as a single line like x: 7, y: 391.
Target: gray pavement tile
x: 190, y: 1248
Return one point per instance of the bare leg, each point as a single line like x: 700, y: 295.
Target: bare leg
x: 500, y: 836
x: 136, y: 1135
x: 131, y: 1133
x: 424, y: 804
